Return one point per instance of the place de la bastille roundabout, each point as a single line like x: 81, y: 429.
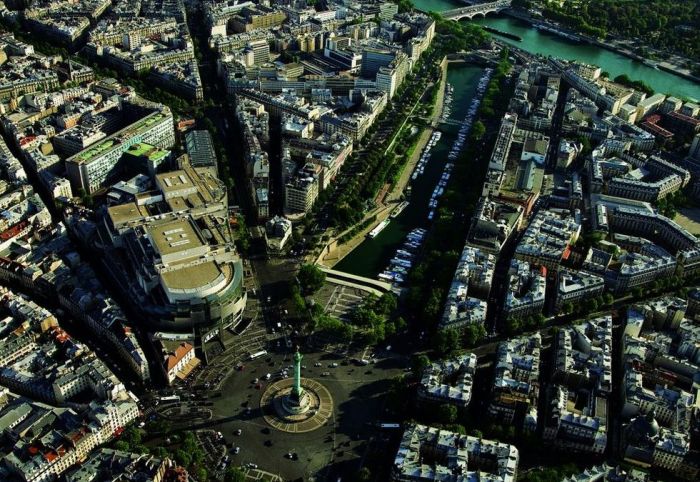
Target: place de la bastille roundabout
x: 297, y: 404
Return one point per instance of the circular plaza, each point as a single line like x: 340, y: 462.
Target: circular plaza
x: 285, y: 411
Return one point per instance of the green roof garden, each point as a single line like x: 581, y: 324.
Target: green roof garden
x: 94, y: 151
x: 122, y: 136
x: 148, y: 151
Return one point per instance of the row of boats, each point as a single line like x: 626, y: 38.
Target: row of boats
x: 425, y: 155
x: 458, y: 143
x: 447, y: 102
x: 380, y: 227
x: 405, y: 256
x: 439, y: 189
x: 543, y: 27
x: 403, y: 259
x: 469, y: 118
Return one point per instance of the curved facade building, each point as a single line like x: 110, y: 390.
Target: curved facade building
x: 172, y: 251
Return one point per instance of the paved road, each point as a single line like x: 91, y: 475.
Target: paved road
x: 333, y: 449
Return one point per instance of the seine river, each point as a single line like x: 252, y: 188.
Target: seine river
x: 372, y: 256
x: 546, y: 44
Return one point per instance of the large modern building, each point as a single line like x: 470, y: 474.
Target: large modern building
x: 91, y: 168
x: 172, y: 253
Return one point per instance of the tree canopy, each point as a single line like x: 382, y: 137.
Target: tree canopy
x: 665, y: 24
x: 311, y: 278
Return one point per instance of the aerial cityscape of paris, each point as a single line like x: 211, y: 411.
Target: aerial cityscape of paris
x: 349, y: 240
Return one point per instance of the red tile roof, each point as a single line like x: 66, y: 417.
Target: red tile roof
x: 178, y: 355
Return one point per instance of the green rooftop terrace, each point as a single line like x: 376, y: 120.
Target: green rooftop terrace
x: 128, y: 132
x: 148, y: 151
x: 95, y: 151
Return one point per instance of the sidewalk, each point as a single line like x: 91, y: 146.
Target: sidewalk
x: 398, y: 188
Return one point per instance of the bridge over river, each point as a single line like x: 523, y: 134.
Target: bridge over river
x: 479, y: 9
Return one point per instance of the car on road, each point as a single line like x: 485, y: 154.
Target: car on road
x: 333, y: 365
x: 326, y: 374
x: 238, y: 432
x: 318, y: 364
x: 251, y: 465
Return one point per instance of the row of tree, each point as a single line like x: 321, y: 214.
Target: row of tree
x: 376, y: 165
x: 672, y: 25
x: 431, y: 277
x: 348, y: 205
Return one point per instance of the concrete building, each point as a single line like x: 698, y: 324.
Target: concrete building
x: 526, y: 290
x: 428, y: 454
x: 180, y: 362
x: 694, y: 152
x: 546, y: 241
x: 516, y: 382
x: 577, y: 412
x: 178, y: 261
x: 648, y: 445
x: 278, y: 231
x: 91, y: 168
x: 473, y: 276
x: 449, y: 381
x: 301, y: 191
x: 577, y: 286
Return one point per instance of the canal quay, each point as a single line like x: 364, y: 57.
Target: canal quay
x: 372, y: 256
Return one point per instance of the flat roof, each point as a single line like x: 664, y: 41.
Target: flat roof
x: 124, y: 213
x: 174, y: 179
x: 150, y: 151
x: 95, y: 151
x: 173, y: 236
x: 129, y: 131
x: 191, y: 277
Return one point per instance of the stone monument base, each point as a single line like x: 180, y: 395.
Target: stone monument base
x: 283, y: 412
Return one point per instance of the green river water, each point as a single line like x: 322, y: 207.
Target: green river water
x: 549, y: 44
x: 372, y: 256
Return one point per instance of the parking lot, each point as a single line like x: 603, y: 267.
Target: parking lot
x: 339, y: 301
x: 332, y: 450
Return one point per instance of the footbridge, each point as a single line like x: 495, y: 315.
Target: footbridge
x: 477, y: 9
